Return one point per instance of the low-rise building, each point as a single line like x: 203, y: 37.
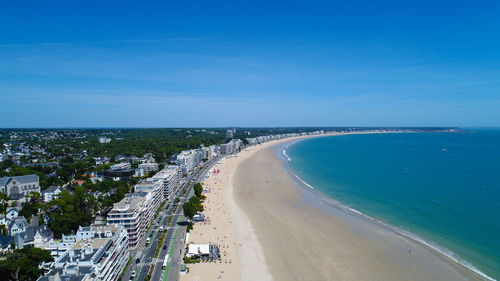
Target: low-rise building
x: 119, y: 166
x: 203, y: 251
x: 51, y: 193
x: 12, y: 212
x: 17, y: 225
x: 32, y: 233
x: 5, y: 243
x: 120, y: 171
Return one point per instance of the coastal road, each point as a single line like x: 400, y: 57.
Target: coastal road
x: 175, y: 242
x: 142, y: 268
x: 174, y: 237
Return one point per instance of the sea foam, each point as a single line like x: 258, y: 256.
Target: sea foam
x: 441, y: 250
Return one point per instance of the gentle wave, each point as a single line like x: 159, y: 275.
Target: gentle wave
x: 286, y: 156
x: 441, y: 250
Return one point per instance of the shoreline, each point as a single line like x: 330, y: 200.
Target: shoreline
x: 247, y: 226
x: 333, y: 203
x: 456, y: 269
x: 227, y: 225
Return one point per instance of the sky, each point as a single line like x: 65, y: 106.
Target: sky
x: 249, y: 63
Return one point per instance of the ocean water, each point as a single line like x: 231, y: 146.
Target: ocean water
x: 443, y: 187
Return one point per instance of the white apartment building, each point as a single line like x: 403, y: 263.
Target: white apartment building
x: 225, y: 148
x: 201, y: 154
x: 213, y: 150
x: 148, y: 167
x: 230, y: 147
x: 171, y: 177
x: 237, y: 143
x: 100, y: 254
x: 51, y: 193
x: 56, y: 248
x: 104, y: 140
x: 187, y: 160
x: 136, y: 211
x: 121, y: 166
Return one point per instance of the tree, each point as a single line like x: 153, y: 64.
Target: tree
x: 189, y: 209
x: 69, y: 211
x: 23, y: 264
x: 4, y: 198
x: 32, y: 206
x: 7, y: 163
x: 34, y: 197
x: 192, y: 206
x: 134, y: 180
x: 198, y: 189
x: 28, y: 209
x: 196, y: 202
x: 3, y: 230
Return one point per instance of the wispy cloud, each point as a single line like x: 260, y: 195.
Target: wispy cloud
x: 90, y: 43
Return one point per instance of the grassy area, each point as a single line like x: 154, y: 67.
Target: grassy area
x: 158, y: 248
x: 190, y: 260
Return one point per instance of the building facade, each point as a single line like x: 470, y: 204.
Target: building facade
x: 20, y: 186
x: 187, y: 160
x: 51, y: 193
x: 148, y: 167
x: 100, y: 253
x: 171, y: 176
x: 136, y: 211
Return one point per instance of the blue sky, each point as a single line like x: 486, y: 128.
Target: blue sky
x: 249, y: 63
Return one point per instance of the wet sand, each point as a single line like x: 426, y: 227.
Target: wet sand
x: 303, y: 237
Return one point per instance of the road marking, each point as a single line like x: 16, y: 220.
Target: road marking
x: 147, y: 249
x: 165, y: 276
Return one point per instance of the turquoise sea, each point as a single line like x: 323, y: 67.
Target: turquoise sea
x: 442, y: 187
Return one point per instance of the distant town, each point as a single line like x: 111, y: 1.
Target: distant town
x: 113, y: 204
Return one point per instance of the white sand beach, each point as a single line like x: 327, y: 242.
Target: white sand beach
x: 271, y: 229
